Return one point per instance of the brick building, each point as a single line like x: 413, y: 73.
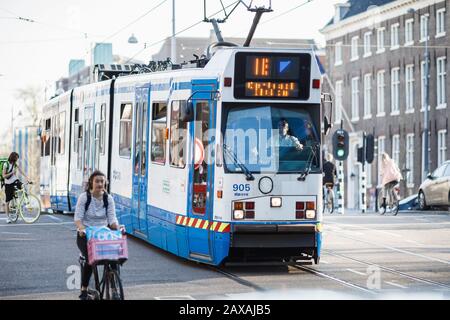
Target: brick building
x: 375, y: 51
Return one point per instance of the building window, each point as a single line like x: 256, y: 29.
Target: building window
x: 409, y: 75
x: 440, y: 23
x: 380, y: 40
x: 381, y: 149
x: 380, y: 93
x: 395, y: 89
x: 355, y: 99
x: 423, y: 27
x: 410, y: 159
x: 125, y: 130
x: 338, y: 54
x: 442, y: 147
x: 178, y: 136
x: 338, y: 91
x: 441, y: 79
x: 159, y: 124
x: 367, y: 96
x: 395, y: 44
x: 355, y: 48
x: 409, y: 32
x: 367, y: 44
x: 396, y: 149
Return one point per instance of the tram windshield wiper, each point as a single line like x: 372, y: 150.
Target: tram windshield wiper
x: 311, y: 158
x: 236, y: 161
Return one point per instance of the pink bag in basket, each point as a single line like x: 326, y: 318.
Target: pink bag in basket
x: 106, y: 244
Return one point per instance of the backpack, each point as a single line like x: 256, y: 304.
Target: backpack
x: 89, y: 199
x: 4, y: 162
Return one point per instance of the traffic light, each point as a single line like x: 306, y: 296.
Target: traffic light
x: 370, y: 148
x: 340, y: 145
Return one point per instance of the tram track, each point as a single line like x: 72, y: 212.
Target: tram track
x: 238, y: 279
x: 390, y: 270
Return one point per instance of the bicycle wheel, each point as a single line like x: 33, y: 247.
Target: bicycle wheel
x: 381, y: 208
x: 112, y: 285
x: 2, y: 200
x: 13, y: 214
x: 30, y: 209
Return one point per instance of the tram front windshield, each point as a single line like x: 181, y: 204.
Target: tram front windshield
x: 271, y: 138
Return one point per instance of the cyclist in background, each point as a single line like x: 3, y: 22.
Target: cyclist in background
x: 329, y: 175
x: 95, y: 208
x: 390, y: 177
x: 10, y: 169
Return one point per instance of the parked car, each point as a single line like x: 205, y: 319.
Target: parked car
x: 435, y: 190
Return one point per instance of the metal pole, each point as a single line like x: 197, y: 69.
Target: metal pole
x: 173, y: 51
x: 427, y: 103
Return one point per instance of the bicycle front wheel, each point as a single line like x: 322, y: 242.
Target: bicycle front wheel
x: 30, y: 209
x: 13, y: 211
x: 113, y: 289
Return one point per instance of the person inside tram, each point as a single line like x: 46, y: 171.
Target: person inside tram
x: 287, y: 140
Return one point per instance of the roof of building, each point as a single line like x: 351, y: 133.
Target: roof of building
x: 360, y: 6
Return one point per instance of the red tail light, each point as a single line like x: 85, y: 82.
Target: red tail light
x: 249, y: 214
x: 249, y: 206
x: 310, y: 206
x: 300, y: 206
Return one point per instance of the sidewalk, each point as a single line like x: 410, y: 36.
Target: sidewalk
x: 357, y: 212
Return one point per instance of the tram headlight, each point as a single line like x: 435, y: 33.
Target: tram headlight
x: 310, y: 214
x: 275, y: 202
x: 238, y: 214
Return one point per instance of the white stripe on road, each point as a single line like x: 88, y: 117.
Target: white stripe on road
x: 15, y: 233
x: 396, y: 285
x: 357, y: 272
x: 35, y: 224
x: 54, y: 218
x: 17, y: 239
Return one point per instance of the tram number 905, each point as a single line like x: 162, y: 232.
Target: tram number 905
x: 241, y: 187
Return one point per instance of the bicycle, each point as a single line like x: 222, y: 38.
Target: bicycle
x: 328, y: 206
x: 392, y: 200
x: 25, y: 205
x: 109, y: 287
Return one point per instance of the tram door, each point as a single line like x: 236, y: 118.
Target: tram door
x: 201, y: 240
x: 140, y: 147
x: 89, y: 133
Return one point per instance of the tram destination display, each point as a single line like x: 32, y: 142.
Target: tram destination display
x: 272, y: 76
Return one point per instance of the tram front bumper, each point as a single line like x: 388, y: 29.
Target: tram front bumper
x: 274, y: 236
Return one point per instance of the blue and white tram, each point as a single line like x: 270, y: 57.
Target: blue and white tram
x: 212, y: 164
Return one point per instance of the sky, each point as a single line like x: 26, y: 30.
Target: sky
x: 38, y: 53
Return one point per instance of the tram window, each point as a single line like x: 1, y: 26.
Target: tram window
x: 62, y: 132
x: 48, y: 124
x: 102, y: 128
x: 98, y: 137
x: 79, y: 139
x: 144, y: 139
x: 159, y: 123
x: 177, y: 136
x: 125, y: 131
x: 77, y: 112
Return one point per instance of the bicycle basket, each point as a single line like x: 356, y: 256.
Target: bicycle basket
x: 111, y: 250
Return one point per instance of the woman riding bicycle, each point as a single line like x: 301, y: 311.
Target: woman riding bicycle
x: 11, y: 181
x: 95, y: 208
x: 390, y: 176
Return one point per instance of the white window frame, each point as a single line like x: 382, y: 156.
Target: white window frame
x: 381, y: 40
x: 409, y: 32
x: 338, y: 54
x: 422, y: 85
x: 355, y: 99
x: 339, y: 95
x: 409, y: 162
x: 395, y: 43
x: 409, y: 88
x: 441, y: 81
x: 442, y: 147
x: 368, y: 96
x: 440, y: 23
x: 367, y: 44
x: 354, y: 49
x: 424, y: 32
x: 396, y: 149
x: 381, y: 100
x: 395, y: 92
